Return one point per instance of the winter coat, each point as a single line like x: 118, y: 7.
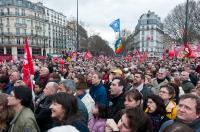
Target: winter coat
x: 24, y: 121
x: 99, y: 94
x: 97, y: 125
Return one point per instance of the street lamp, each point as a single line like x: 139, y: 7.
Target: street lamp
x: 186, y: 24
x: 77, y: 32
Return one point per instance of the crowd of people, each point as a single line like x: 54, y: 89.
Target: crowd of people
x: 101, y: 95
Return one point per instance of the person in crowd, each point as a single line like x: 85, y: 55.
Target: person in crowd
x: 159, y: 80
x: 133, y: 120
x: 43, y: 78
x: 98, y: 91
x: 64, y: 128
x: 68, y: 86
x: 117, y: 98
x: 13, y: 78
x: 188, y: 112
x: 54, y: 77
x: 178, y: 127
x: 6, y: 113
x: 82, y: 94
x: 138, y: 83
x: 156, y: 111
x: 43, y: 111
x: 98, y: 122
x: 133, y: 99
x: 19, y: 82
x: 167, y: 93
x: 185, y: 82
x: 64, y: 110
x: 21, y: 102
x: 4, y: 84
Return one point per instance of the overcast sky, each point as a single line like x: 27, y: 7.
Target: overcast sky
x: 98, y: 14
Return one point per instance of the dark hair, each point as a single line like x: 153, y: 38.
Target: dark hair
x: 103, y: 111
x: 121, y: 81
x: 178, y: 127
x: 141, y: 75
x: 99, y: 75
x: 134, y: 94
x: 138, y: 120
x: 161, y: 109
x: 7, y: 113
x: 24, y: 94
x: 69, y: 104
x: 170, y: 90
x: 193, y: 97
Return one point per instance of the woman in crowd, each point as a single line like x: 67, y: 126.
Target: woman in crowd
x: 156, y: 111
x: 6, y: 113
x: 64, y: 110
x: 98, y: 122
x: 133, y: 120
x: 133, y: 99
x: 21, y: 102
x: 167, y: 93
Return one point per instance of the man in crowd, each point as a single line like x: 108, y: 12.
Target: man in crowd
x: 188, y: 112
x: 160, y: 80
x: 186, y: 84
x: 98, y: 91
x: 43, y: 111
x: 68, y: 86
x: 117, y: 98
x: 138, y: 83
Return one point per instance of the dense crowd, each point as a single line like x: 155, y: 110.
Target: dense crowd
x: 101, y: 95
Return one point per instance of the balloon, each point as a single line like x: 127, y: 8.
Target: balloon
x: 192, y: 55
x: 171, y: 53
x: 62, y: 62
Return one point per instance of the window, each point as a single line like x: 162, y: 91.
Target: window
x: 23, y: 21
x: 20, y: 51
x: 36, y: 51
x: 1, y: 50
x: 8, y: 22
x: 8, y: 51
x: 18, y: 40
x: 31, y: 32
x: 17, y: 20
x: 8, y: 30
x: 16, y: 11
x: 24, y: 32
x: 23, y: 12
x: 8, y: 11
x: 2, y: 13
x: 18, y: 31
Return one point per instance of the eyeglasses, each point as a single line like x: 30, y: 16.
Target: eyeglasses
x: 164, y: 92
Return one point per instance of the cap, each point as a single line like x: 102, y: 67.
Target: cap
x: 117, y: 71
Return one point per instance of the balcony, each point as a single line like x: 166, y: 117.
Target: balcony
x: 21, y: 25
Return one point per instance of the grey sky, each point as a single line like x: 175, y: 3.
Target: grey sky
x: 98, y: 14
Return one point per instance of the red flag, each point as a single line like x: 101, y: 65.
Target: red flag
x: 88, y: 55
x: 187, y: 50
x: 28, y: 69
x: 140, y: 56
x: 145, y: 55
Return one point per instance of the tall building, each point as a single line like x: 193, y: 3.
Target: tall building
x: 45, y: 28
x: 149, y: 35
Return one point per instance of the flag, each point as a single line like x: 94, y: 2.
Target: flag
x: 115, y: 25
x: 88, y: 55
x: 118, y: 46
x: 187, y: 50
x: 140, y: 56
x: 28, y: 69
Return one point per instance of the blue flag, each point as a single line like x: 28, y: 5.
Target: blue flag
x: 116, y: 25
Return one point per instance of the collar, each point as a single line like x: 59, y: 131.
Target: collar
x: 140, y: 87
x: 16, y: 116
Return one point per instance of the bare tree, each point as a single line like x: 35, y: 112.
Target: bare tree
x: 174, y: 23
